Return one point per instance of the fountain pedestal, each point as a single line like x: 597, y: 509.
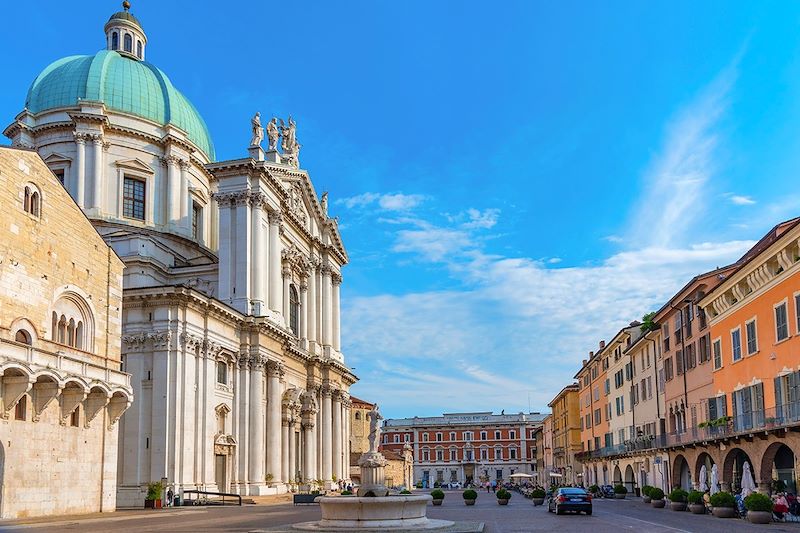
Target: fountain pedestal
x: 373, y: 477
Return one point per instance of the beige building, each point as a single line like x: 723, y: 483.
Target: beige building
x: 547, y: 450
x: 61, y: 387
x: 566, y: 435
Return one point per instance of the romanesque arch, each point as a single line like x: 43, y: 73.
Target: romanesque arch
x: 778, y: 462
x: 733, y: 465
x: 703, y: 459
x: 680, y: 472
x: 629, y: 480
x: 617, y: 476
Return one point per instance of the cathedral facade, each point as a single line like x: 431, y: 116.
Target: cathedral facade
x: 230, y: 306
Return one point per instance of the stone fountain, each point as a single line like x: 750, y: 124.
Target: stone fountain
x: 373, y: 509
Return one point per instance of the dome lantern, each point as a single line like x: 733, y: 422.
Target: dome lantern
x: 124, y: 34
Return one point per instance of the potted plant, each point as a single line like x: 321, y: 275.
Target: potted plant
x: 723, y: 505
x: 696, y: 504
x: 657, y: 498
x: 778, y: 485
x: 470, y: 496
x: 594, y: 490
x: 438, y: 496
x: 759, y: 508
x: 154, y: 492
x: 646, y: 494
x: 677, y: 499
x: 620, y: 491
x: 348, y: 493
x: 537, y: 495
x: 503, y: 496
x: 404, y: 492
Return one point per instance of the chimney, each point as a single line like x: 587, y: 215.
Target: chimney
x: 584, y: 362
x: 602, y: 344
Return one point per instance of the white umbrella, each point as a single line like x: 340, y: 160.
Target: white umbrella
x: 714, y: 480
x: 520, y: 474
x: 701, y: 485
x: 748, y: 485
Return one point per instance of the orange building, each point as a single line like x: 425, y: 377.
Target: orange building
x: 566, y: 435
x: 593, y: 398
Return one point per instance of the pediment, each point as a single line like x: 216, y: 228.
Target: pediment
x: 57, y: 158
x: 135, y: 164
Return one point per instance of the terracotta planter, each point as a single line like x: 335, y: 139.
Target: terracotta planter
x: 538, y: 501
x: 646, y: 499
x: 152, y: 504
x: 677, y: 506
x: 759, y: 517
x: 620, y: 496
x: 469, y: 502
x: 437, y: 502
x: 697, y: 508
x: 724, y: 512
x: 659, y: 504
x: 502, y: 502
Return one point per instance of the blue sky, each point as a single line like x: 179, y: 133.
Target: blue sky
x: 514, y: 183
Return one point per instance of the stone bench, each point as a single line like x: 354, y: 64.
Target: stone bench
x: 304, y: 498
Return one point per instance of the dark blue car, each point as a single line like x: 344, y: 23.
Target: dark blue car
x: 572, y: 499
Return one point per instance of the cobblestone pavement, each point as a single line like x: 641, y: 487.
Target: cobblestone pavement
x: 520, y: 516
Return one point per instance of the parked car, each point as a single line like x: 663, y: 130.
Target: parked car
x: 455, y: 485
x: 607, y: 491
x: 570, y: 499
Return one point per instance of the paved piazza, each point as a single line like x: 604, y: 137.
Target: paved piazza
x: 519, y: 516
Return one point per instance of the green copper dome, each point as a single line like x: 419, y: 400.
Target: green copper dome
x: 122, y: 84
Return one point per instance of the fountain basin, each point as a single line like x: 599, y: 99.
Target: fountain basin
x: 380, y: 513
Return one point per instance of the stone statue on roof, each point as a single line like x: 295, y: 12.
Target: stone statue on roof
x: 258, y: 131
x: 324, y: 203
x: 272, y: 134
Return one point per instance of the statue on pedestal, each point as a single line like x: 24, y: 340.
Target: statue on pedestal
x: 272, y: 134
x: 374, y: 417
x: 258, y: 131
x: 324, y: 204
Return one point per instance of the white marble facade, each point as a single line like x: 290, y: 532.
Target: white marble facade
x: 231, y: 324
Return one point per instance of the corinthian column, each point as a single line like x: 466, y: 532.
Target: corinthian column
x: 327, y: 459
x: 275, y: 292
x: 311, y: 309
x: 287, y: 279
x: 292, y: 448
x: 326, y: 306
x: 304, y: 310
x: 80, y: 170
x: 258, y: 261
x: 256, y: 422
x: 274, y: 373
x: 337, y: 335
x: 184, y: 209
x: 337, y: 434
x: 310, y: 445
x: 173, y: 191
x: 243, y: 423
x: 285, y: 429
x: 97, y: 194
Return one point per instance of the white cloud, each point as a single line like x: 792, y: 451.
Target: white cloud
x: 677, y: 177
x: 485, y: 219
x: 554, y: 260
x: 387, y: 202
x: 741, y: 200
x: 613, y: 238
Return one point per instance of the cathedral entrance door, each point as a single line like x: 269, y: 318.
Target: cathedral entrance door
x: 220, y: 472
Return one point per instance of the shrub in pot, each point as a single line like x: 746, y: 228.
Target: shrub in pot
x: 620, y: 491
x: 678, y: 499
x: 438, y: 496
x: 696, y: 504
x: 537, y: 495
x: 470, y: 496
x: 503, y: 496
x: 403, y: 492
x: 723, y: 505
x: 646, y: 493
x: 657, y: 498
x: 349, y: 493
x: 594, y: 490
x: 153, y: 499
x: 759, y: 508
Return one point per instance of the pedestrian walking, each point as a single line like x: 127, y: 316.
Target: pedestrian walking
x: 170, y: 494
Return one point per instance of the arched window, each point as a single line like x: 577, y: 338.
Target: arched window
x: 72, y: 323
x: 358, y: 415
x: 32, y: 200
x: 23, y: 336
x: 26, y: 204
x: 128, y: 42
x: 294, y: 310
x: 115, y: 41
x: 139, y: 49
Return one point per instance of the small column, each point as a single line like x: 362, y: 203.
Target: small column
x: 173, y: 192
x: 80, y: 170
x: 327, y: 463
x: 337, y: 281
x: 185, y: 201
x: 274, y: 372
x: 275, y: 292
x: 327, y: 326
x: 304, y: 310
x: 309, y: 442
x: 97, y: 182
x: 311, y: 309
x: 287, y: 279
x: 225, y: 248
x: 285, y: 429
x: 243, y: 426
x: 337, y: 434
x: 292, y: 445
x: 258, y: 261
x: 256, y: 423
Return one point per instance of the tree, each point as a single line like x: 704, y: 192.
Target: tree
x: 647, y: 322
